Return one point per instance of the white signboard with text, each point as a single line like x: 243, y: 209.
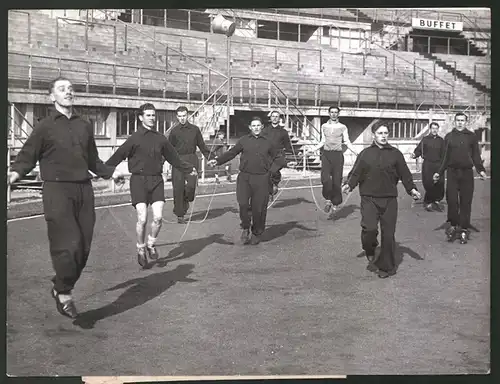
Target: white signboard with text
x: 441, y: 25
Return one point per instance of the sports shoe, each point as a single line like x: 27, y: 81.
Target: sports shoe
x: 464, y: 237
x: 451, y: 234
x: 153, y: 252
x: 142, y: 257
x: 217, y: 181
x: 384, y: 274
x: 328, y: 206
x: 67, y: 308
x: 254, y: 240
x: 245, y: 236
x: 428, y: 207
x: 181, y: 220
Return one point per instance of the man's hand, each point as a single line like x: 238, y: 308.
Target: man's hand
x: 291, y: 164
x: 194, y: 172
x: 483, y: 175
x: 413, y: 156
x: 415, y: 194
x: 12, y: 177
x: 212, y: 163
x: 118, y: 177
x: 346, y: 188
x: 436, y: 177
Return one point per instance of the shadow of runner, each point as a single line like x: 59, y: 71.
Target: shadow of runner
x: 213, y: 213
x: 278, y: 230
x: 289, y: 202
x: 139, y: 292
x: 189, y: 248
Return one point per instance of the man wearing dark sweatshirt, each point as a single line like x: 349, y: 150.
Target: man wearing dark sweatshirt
x: 146, y: 150
x: 64, y: 145
x: 461, y: 154
x: 378, y: 170
x: 252, y: 184
x: 185, y: 137
x: 431, y: 149
x: 280, y: 139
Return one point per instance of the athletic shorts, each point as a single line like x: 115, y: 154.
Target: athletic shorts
x: 146, y: 189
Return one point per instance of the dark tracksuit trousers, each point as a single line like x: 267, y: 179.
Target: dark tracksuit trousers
x: 434, y: 192
x: 278, y: 164
x: 459, y: 192
x: 253, y: 196
x: 385, y: 211
x: 70, y: 216
x: 332, y: 166
x: 184, y: 186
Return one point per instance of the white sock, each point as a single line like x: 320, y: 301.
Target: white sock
x: 140, y: 246
x: 151, y: 241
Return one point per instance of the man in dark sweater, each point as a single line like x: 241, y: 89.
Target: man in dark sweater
x: 185, y: 137
x: 461, y: 154
x: 378, y: 170
x: 252, y: 184
x: 280, y: 139
x: 146, y: 150
x: 431, y: 149
x: 64, y: 145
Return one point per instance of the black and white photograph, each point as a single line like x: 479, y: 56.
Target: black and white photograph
x: 248, y: 192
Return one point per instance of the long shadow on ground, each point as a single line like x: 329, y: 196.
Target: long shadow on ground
x: 290, y: 202
x: 189, y: 248
x: 278, y: 230
x: 213, y: 213
x: 139, y: 292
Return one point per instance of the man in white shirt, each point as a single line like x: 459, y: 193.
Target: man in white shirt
x: 333, y: 135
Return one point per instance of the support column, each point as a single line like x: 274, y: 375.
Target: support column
x: 315, y: 135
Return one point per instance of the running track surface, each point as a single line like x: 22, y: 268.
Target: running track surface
x: 301, y: 302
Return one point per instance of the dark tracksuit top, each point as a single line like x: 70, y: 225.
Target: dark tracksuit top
x: 66, y: 151
x: 461, y: 151
x: 378, y: 171
x: 185, y: 139
x: 461, y: 154
x: 145, y: 150
x: 252, y: 185
x: 280, y: 139
x: 431, y: 149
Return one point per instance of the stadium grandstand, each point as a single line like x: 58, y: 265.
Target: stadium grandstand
x: 404, y: 66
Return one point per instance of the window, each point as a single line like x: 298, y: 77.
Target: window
x: 97, y: 117
x: 165, y: 120
x: 126, y: 122
x: 406, y: 129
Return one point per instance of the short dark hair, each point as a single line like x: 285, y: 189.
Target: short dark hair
x: 274, y: 111
x: 146, y: 107
x: 377, y: 126
x: 220, y: 132
x: 461, y: 114
x: 433, y: 123
x: 333, y: 107
x: 181, y: 109
x: 255, y: 118
x: 53, y: 82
